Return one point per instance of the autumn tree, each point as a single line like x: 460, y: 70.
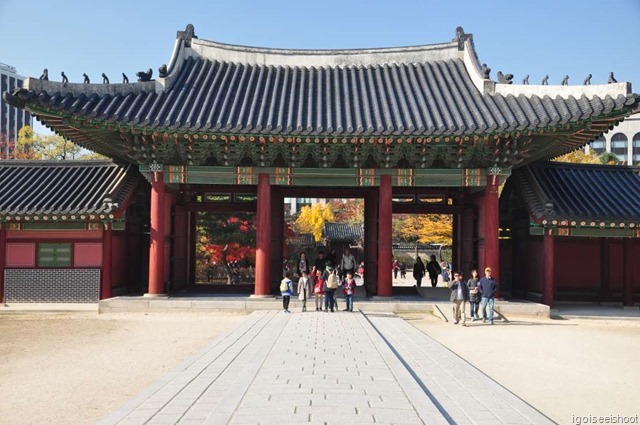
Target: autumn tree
x: 431, y: 228
x: 348, y: 210
x: 579, y: 156
x: 312, y: 219
x: 31, y: 145
x: 609, y: 158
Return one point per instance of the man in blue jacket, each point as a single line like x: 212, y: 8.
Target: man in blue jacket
x: 488, y: 288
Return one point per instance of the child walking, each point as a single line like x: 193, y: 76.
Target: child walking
x: 318, y: 290
x: 304, y: 289
x: 349, y: 286
x: 286, y: 289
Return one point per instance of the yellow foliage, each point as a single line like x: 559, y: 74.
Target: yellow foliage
x: 312, y: 219
x: 580, y: 157
x: 432, y: 228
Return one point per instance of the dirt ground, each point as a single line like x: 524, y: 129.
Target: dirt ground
x: 562, y: 367
x: 62, y: 368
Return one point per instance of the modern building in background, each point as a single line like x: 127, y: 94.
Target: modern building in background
x: 623, y: 141
x: 12, y: 119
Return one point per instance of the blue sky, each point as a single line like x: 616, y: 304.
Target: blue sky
x: 574, y: 37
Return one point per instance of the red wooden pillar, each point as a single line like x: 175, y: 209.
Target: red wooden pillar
x: 156, y: 248
x: 627, y: 267
x: 263, y: 237
x: 385, y: 255
x: 491, y: 219
x: 549, y: 270
x: 3, y: 251
x: 107, y: 262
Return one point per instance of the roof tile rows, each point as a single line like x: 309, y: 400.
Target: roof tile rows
x: 63, y: 187
x: 343, y: 232
x: 574, y: 192
x: 430, y: 98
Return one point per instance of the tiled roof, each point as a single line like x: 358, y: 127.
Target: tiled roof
x: 64, y: 187
x: 343, y: 232
x: 578, y: 192
x: 424, y: 90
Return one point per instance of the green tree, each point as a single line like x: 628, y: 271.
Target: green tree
x: 609, y: 158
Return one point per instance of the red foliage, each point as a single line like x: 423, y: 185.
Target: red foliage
x: 235, y: 252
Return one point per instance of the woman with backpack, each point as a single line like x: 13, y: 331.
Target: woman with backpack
x: 286, y: 289
x: 331, y: 281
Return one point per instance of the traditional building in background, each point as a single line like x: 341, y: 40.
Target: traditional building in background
x: 622, y: 140
x: 12, y: 119
x: 411, y: 130
x: 72, y: 231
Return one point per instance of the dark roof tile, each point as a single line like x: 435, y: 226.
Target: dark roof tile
x: 63, y: 187
x: 578, y: 191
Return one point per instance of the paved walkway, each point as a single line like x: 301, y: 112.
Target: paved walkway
x: 325, y: 368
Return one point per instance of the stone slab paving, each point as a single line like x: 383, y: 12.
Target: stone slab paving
x: 467, y: 395
x: 324, y: 368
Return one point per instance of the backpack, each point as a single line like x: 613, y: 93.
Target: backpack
x: 284, y: 286
x: 332, y: 281
x: 445, y: 275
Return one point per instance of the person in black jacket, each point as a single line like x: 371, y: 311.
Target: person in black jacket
x: 434, y: 270
x: 418, y: 271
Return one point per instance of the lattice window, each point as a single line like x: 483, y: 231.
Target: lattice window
x: 54, y: 255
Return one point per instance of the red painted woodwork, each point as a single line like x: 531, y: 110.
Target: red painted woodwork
x: 58, y: 235
x: 467, y: 228
x: 371, y: 241
x: 627, y: 272
x: 277, y: 238
x: 385, y: 255
x: 263, y: 236
x: 157, y: 244
x: 578, y: 263
x: 549, y: 269
x: 3, y: 255
x: 20, y: 255
x: 107, y: 254
x: 87, y: 254
x: 615, y: 267
x: 491, y: 229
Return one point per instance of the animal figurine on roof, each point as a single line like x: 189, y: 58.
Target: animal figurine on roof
x: 504, y: 79
x: 125, y: 79
x: 587, y: 81
x: 86, y: 79
x: 65, y: 80
x: 565, y: 81
x: 45, y: 75
x: 612, y: 79
x: 525, y: 80
x: 162, y: 71
x: 545, y: 80
x: 486, y: 71
x: 105, y: 79
x: 144, y: 76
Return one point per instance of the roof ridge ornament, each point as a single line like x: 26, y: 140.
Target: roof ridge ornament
x: 105, y: 79
x: 187, y: 35
x: 565, y: 81
x: 65, y: 80
x: 611, y: 80
x: 486, y: 72
x: 504, y: 79
x: 587, y: 81
x: 545, y: 80
x: 86, y: 79
x: 461, y: 37
x: 144, y: 76
x: 45, y: 74
x: 525, y: 80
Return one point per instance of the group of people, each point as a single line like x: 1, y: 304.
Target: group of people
x: 480, y: 293
x: 321, y: 281
x: 433, y: 269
